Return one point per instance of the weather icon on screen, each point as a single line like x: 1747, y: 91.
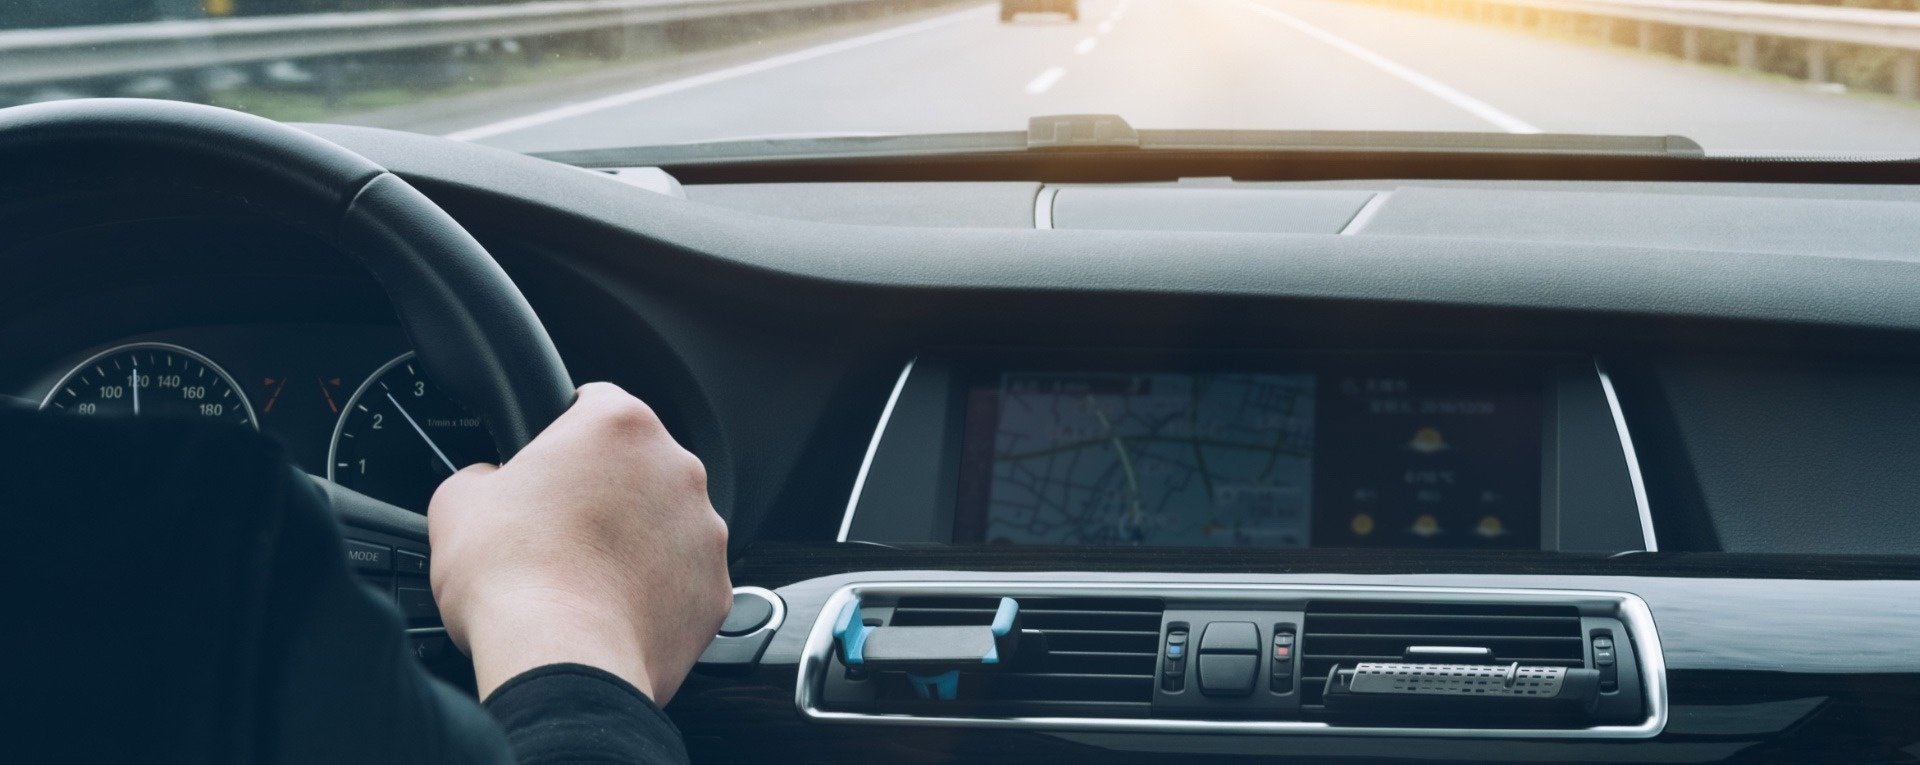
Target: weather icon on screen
x: 1425, y: 526
x: 1428, y: 440
x: 1490, y: 527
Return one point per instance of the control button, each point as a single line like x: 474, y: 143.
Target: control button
x: 367, y: 556
x: 1173, y: 676
x: 750, y: 612
x: 416, y: 603
x: 1230, y: 637
x: 428, y: 648
x: 410, y: 563
x: 1173, y: 671
x: 1280, y: 679
x: 1228, y: 674
x: 1607, y: 661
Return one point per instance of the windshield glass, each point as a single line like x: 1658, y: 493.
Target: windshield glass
x: 1737, y: 76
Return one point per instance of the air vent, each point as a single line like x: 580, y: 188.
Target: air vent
x: 1349, y: 632
x: 1082, y: 657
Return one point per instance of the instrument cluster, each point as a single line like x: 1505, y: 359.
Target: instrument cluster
x: 349, y: 402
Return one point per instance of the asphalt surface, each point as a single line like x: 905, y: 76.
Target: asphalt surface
x: 1270, y: 64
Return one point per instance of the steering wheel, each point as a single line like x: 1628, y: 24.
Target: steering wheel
x: 468, y: 323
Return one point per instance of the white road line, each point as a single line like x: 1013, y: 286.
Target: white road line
x: 1045, y: 80
x: 1086, y: 46
x: 1106, y: 26
x: 1474, y: 106
x: 570, y: 111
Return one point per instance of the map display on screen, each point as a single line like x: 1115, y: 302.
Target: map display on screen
x: 1350, y: 457
x: 1152, y: 459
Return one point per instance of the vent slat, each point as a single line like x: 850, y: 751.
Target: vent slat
x: 1442, y: 639
x: 1061, y: 631
x: 1350, y: 632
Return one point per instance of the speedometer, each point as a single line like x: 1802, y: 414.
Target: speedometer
x: 151, y: 380
x: 400, y: 435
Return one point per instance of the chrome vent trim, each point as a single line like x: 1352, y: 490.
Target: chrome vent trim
x: 1628, y: 608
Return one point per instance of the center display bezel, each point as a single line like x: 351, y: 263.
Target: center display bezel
x: 908, y: 490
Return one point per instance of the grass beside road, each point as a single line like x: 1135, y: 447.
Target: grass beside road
x: 311, y: 105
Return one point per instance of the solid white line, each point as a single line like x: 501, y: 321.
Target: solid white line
x: 1086, y: 46
x: 1045, y: 80
x: 570, y: 111
x: 1471, y: 105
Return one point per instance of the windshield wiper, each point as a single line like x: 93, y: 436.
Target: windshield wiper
x: 1111, y: 133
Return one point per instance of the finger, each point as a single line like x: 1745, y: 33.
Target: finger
x: 475, y: 469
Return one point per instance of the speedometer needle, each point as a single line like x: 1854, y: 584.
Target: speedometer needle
x: 134, y: 380
x: 423, y: 434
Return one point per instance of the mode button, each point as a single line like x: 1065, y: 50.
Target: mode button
x: 370, y: 557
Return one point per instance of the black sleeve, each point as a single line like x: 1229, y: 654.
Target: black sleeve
x: 580, y: 714
x: 184, y: 596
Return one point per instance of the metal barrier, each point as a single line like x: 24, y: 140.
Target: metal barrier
x: 1816, y: 26
x: 31, y: 56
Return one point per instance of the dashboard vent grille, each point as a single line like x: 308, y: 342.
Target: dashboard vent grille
x: 1348, y: 632
x: 1084, y: 657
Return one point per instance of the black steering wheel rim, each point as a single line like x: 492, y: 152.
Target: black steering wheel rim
x: 470, y: 325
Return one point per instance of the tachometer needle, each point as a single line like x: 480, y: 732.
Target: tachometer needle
x: 423, y: 434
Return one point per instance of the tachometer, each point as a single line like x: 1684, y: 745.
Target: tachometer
x: 151, y: 380
x: 399, y: 436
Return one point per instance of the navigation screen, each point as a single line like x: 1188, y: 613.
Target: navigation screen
x: 1261, y: 459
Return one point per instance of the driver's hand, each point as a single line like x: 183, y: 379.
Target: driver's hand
x: 595, y: 545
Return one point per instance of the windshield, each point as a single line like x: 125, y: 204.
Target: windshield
x: 1738, y: 77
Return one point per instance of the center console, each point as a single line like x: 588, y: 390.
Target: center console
x: 1324, y: 659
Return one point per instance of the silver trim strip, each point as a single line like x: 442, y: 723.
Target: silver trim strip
x: 1366, y: 213
x: 873, y: 445
x: 1629, y: 608
x: 1633, y: 457
x: 1043, y: 206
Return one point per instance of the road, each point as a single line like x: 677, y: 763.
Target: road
x: 1275, y: 64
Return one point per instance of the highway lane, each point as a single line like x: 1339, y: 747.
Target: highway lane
x: 1277, y: 64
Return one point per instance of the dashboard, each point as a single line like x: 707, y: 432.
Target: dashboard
x: 1624, y: 433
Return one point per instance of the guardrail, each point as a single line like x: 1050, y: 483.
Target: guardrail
x: 1813, y: 27
x: 32, y: 56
